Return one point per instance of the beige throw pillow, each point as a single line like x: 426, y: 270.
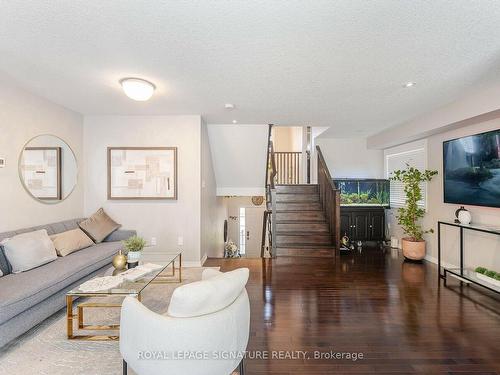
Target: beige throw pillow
x: 70, y: 241
x: 99, y: 226
x: 29, y: 250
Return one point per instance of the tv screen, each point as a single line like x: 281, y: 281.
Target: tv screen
x: 472, y: 170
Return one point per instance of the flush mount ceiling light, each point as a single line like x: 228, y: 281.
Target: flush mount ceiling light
x: 407, y: 85
x: 235, y: 122
x: 229, y: 106
x: 137, y: 89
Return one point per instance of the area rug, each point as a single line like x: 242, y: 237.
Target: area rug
x: 45, y: 350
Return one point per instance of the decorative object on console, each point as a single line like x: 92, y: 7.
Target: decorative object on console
x: 142, y: 172
x: 99, y: 226
x: 70, y: 241
x: 134, y: 246
x: 119, y: 261
x: 2, y: 162
x: 257, y: 200
x: 410, y: 215
x: 489, y: 276
x: 463, y: 216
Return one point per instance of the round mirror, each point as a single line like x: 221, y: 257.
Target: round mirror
x: 48, y: 169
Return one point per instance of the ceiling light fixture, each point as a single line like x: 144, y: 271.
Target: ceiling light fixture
x: 235, y: 122
x: 407, y: 85
x: 229, y: 106
x: 137, y: 88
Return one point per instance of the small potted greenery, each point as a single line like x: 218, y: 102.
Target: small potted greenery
x: 134, y: 246
x: 409, y: 216
x: 489, y: 276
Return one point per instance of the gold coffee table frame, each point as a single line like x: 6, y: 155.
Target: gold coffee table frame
x: 71, y: 317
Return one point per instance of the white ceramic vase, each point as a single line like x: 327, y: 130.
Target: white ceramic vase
x: 464, y: 217
x: 133, y: 256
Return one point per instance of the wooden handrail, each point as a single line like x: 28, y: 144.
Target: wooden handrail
x: 330, y: 199
x: 269, y: 218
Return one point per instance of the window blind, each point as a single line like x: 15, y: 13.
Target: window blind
x: 394, y: 161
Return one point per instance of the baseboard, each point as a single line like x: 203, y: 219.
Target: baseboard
x: 194, y: 263
x: 435, y: 261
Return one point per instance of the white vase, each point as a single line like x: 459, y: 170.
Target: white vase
x: 464, y: 217
x: 133, y: 256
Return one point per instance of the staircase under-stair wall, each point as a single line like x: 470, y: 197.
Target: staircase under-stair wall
x: 302, y: 228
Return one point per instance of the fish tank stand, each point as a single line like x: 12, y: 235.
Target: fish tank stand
x: 362, y: 208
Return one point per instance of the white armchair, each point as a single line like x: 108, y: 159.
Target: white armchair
x: 205, y: 331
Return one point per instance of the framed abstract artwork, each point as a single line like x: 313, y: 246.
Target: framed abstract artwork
x: 142, y: 172
x: 40, y: 169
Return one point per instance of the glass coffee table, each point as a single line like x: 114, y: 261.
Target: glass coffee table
x: 126, y: 288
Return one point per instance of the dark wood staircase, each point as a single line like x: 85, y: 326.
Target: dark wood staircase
x: 302, y: 228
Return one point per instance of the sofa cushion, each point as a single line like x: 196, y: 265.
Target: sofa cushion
x: 4, y: 264
x: 24, y: 290
x: 99, y: 226
x: 70, y: 241
x: 212, y: 294
x: 29, y: 250
x: 53, y: 228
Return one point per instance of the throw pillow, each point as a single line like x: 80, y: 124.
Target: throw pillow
x: 4, y: 264
x: 1, y: 273
x: 99, y: 226
x: 70, y: 241
x: 29, y: 250
x: 209, y: 295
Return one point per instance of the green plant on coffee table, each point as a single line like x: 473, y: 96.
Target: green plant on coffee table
x: 134, y: 243
x: 497, y: 277
x: 409, y: 216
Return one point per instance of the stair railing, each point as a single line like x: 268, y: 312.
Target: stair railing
x: 269, y: 219
x: 288, y: 167
x: 330, y: 200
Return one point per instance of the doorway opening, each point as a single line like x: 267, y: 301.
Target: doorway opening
x: 243, y: 232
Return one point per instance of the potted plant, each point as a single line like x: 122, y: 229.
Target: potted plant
x: 134, y: 246
x: 409, y: 216
x: 489, y: 276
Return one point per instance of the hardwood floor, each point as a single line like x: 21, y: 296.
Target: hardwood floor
x: 395, y: 313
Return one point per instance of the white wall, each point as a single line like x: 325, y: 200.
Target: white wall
x: 23, y: 116
x: 350, y: 158
x: 287, y: 138
x: 166, y: 220
x: 239, y: 154
x: 480, y: 104
x: 212, y: 218
x: 481, y: 249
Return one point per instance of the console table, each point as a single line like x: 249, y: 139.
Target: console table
x: 466, y: 274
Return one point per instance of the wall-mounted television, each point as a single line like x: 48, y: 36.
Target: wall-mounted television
x: 472, y: 170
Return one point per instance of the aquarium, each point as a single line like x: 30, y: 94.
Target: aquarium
x: 363, y: 192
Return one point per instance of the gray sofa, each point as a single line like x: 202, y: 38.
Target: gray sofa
x: 28, y: 298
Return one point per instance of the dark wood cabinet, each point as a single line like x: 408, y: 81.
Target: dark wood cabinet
x: 362, y: 223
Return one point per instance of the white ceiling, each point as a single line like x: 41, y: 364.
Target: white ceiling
x: 325, y: 63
